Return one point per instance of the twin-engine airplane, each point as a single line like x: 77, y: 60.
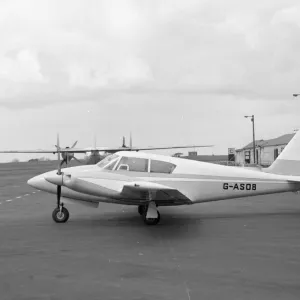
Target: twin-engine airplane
x: 149, y: 181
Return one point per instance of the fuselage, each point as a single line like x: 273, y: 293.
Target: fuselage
x: 198, y: 181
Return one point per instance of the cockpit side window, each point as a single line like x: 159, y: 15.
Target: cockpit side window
x: 111, y: 165
x: 104, y: 162
x: 133, y: 164
x: 157, y: 166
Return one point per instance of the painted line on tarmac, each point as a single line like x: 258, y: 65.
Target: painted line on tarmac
x: 26, y: 195
x: 9, y: 200
x: 18, y: 197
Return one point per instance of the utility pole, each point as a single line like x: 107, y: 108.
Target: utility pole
x: 253, y: 129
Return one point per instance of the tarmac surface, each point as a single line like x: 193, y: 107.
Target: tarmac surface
x: 236, y: 249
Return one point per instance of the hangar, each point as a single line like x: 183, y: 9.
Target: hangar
x: 266, y: 151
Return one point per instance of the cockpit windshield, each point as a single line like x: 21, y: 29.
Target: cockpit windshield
x: 135, y: 164
x: 107, y: 160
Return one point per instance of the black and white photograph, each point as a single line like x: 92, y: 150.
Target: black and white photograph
x: 150, y: 149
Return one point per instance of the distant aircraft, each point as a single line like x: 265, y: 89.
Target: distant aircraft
x: 149, y: 181
x: 68, y: 153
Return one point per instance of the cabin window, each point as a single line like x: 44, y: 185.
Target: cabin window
x: 158, y: 166
x: 104, y: 162
x: 111, y: 165
x: 133, y: 164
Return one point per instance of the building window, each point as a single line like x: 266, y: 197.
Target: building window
x: 247, y: 157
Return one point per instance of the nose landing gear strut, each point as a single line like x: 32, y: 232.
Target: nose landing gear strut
x: 60, y: 214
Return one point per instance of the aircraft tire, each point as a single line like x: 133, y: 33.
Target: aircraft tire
x: 60, y: 216
x: 141, y: 209
x: 151, y: 221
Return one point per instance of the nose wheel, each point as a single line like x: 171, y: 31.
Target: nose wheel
x: 60, y: 215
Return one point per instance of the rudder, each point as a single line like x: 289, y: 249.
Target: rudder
x: 288, y: 161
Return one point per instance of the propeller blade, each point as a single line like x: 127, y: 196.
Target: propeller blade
x: 95, y: 141
x: 77, y: 159
x: 58, y: 155
x: 74, y: 144
x: 62, y: 162
x: 130, y: 141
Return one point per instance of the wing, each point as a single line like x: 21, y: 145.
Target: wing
x: 170, y: 147
x: 30, y: 151
x: 102, y: 149
x: 162, y: 194
x: 130, y: 192
x: 71, y: 150
x: 117, y: 149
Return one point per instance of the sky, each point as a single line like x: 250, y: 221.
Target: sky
x: 171, y: 72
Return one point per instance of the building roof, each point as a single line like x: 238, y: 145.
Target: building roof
x: 281, y: 140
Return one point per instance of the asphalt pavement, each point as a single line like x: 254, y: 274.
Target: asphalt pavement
x: 235, y: 249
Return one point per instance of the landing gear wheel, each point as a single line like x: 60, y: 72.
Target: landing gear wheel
x: 151, y: 221
x: 141, y: 209
x: 60, y: 215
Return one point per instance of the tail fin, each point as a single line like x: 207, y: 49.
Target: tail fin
x: 288, y: 162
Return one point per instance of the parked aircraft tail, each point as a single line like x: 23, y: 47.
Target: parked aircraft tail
x: 288, y: 162
x: 130, y: 142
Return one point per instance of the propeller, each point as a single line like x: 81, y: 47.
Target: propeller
x: 68, y: 156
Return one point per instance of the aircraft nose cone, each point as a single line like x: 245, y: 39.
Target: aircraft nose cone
x: 36, y: 182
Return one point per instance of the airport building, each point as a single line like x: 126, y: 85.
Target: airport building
x: 266, y: 151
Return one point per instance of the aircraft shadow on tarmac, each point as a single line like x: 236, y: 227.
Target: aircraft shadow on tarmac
x: 173, y: 225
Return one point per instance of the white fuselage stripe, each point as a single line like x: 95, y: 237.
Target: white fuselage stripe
x: 210, y: 180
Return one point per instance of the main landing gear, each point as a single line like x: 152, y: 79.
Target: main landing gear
x: 150, y: 214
